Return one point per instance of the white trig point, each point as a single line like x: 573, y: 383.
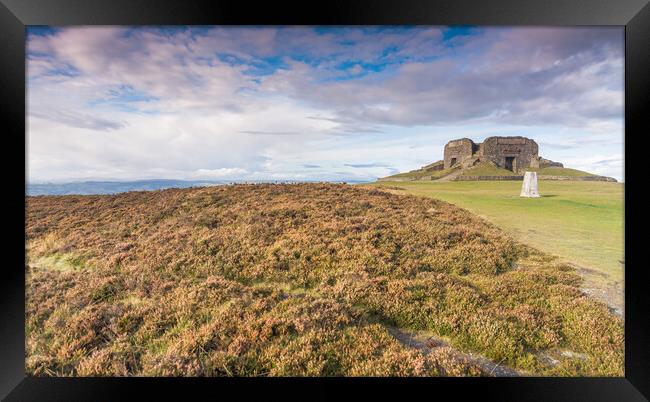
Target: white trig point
x: 529, y: 187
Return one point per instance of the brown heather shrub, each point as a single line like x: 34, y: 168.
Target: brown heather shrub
x: 299, y: 280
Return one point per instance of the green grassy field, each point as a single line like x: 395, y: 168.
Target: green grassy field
x: 558, y: 171
x: 582, y: 222
x: 486, y: 169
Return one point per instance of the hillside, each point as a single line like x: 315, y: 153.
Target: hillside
x: 489, y: 171
x: 307, y: 279
x: 432, y: 171
x: 579, y: 221
x: 560, y: 171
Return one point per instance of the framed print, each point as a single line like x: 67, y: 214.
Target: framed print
x: 368, y: 199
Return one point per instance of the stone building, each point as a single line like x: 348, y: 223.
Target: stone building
x: 512, y: 153
x: 461, y: 152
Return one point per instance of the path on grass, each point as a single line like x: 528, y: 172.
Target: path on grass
x: 451, y: 176
x: 427, y: 344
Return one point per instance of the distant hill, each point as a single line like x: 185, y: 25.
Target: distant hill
x: 111, y: 187
x: 116, y: 187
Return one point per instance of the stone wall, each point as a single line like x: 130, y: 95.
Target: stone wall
x: 524, y: 152
x: 458, y: 152
x: 577, y: 178
x: 482, y: 178
x: 543, y: 163
x: 540, y: 177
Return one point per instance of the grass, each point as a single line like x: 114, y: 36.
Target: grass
x: 582, y: 222
x: 482, y: 169
x: 61, y: 261
x: 487, y: 169
x: 275, y: 280
x: 558, y: 171
x: 424, y: 173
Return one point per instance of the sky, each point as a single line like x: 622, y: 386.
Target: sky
x: 313, y: 103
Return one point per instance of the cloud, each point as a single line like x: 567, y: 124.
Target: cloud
x: 254, y: 132
x: 120, y: 102
x: 579, y: 143
x: 366, y: 165
x: 79, y: 120
x: 218, y: 173
x: 517, y: 76
x: 605, y: 165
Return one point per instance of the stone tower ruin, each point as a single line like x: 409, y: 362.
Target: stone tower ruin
x: 511, y: 153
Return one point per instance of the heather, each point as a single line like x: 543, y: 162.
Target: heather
x: 298, y: 280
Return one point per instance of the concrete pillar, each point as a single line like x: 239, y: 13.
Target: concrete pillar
x: 529, y: 187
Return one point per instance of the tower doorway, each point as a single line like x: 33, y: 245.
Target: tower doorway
x: 452, y: 162
x: 510, y: 163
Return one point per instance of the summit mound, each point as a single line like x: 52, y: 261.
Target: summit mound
x: 496, y: 158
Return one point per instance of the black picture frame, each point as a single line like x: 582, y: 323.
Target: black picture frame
x: 15, y: 15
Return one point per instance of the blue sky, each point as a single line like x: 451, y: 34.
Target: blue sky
x: 313, y: 103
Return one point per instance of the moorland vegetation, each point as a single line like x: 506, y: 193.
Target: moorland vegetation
x: 303, y: 279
